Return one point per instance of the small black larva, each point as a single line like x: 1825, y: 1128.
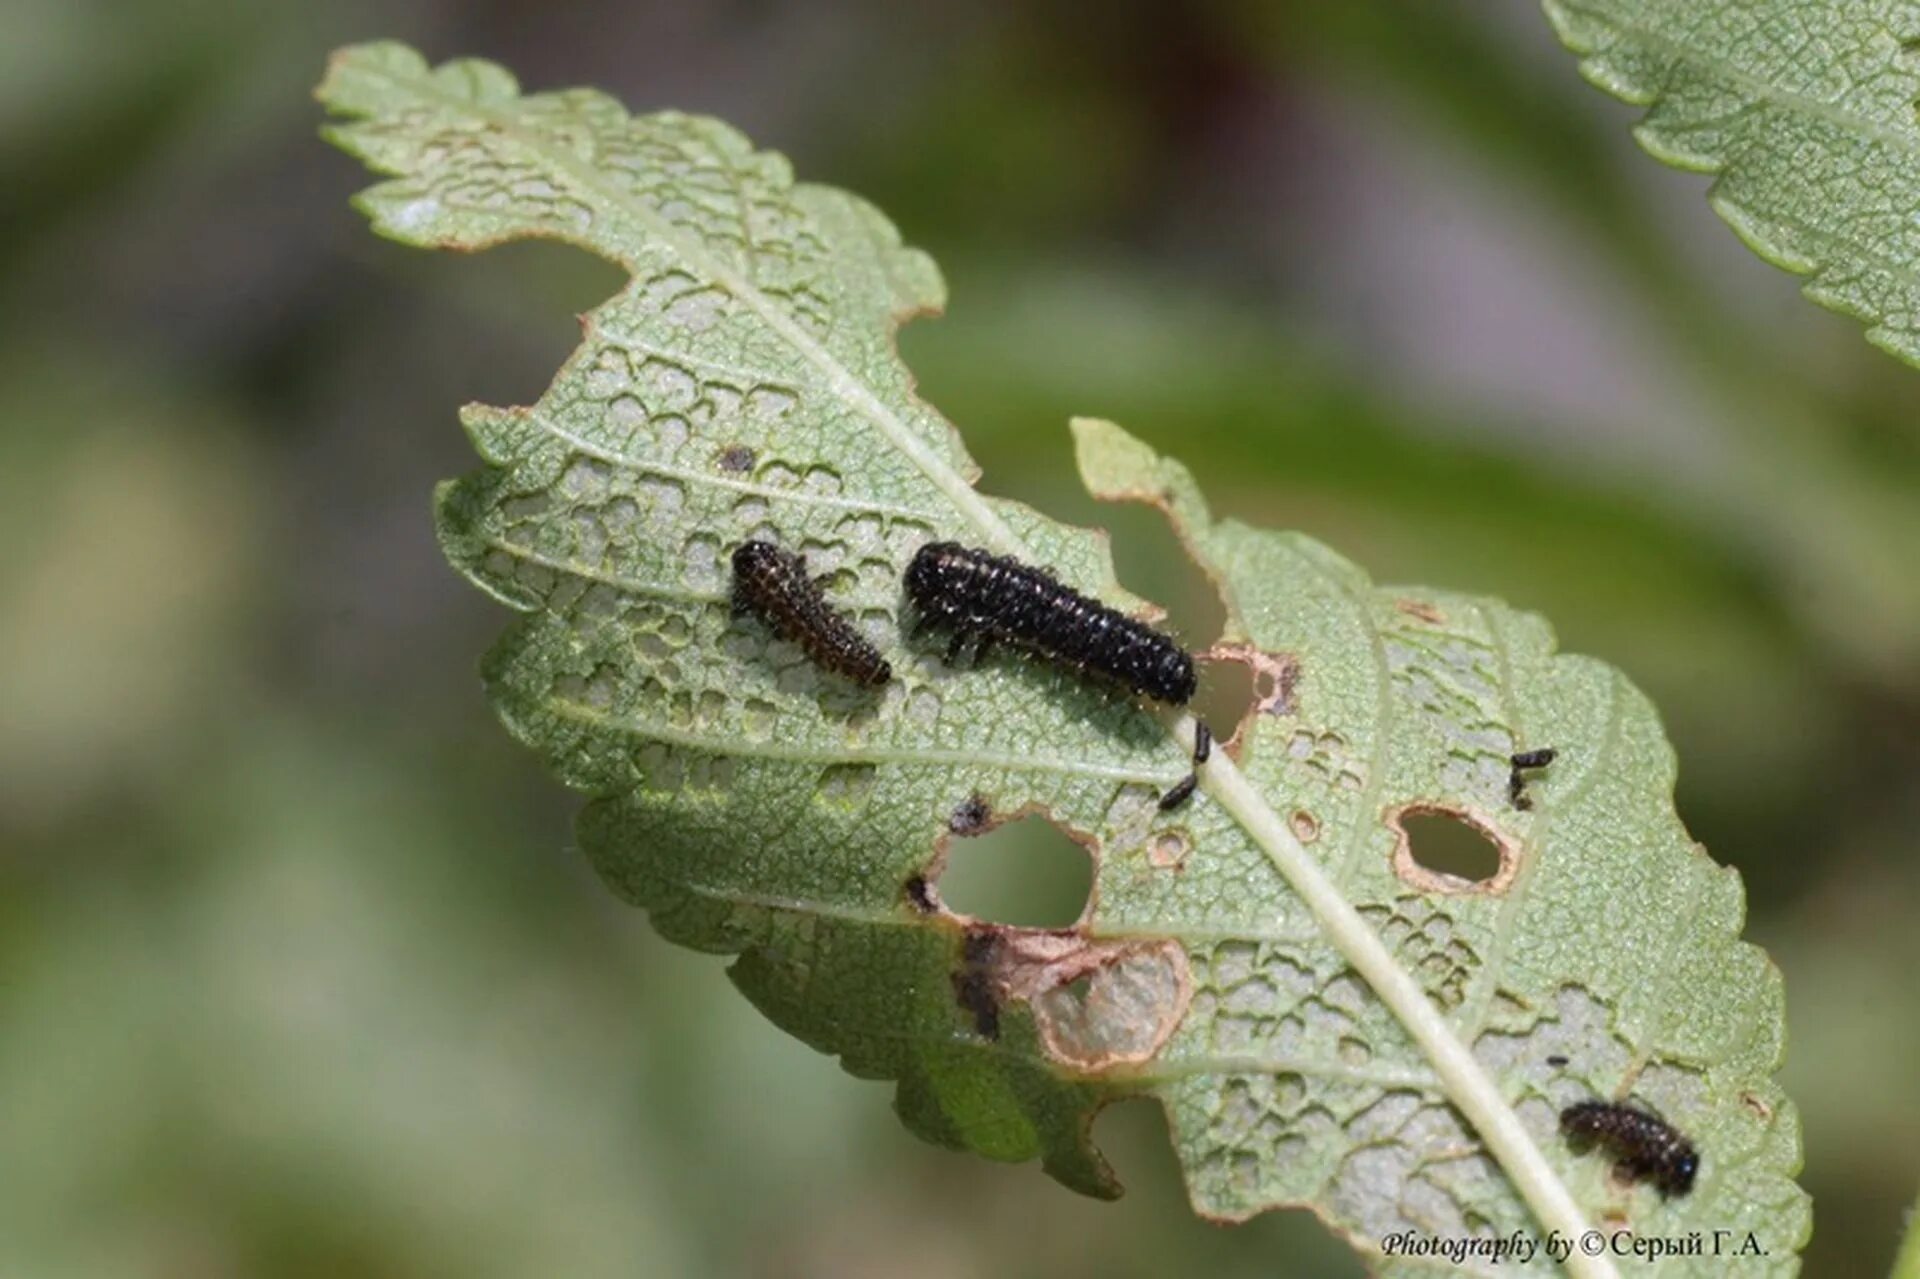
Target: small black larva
x: 1182, y: 791
x: 1644, y: 1146
x: 1517, y: 781
x: 989, y: 599
x: 773, y: 585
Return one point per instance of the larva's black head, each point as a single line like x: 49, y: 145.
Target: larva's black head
x: 934, y: 574
x: 749, y: 557
x: 1677, y: 1177
x: 1176, y: 681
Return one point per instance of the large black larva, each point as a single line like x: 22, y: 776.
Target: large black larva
x: 773, y: 585
x: 988, y: 599
x: 1643, y: 1145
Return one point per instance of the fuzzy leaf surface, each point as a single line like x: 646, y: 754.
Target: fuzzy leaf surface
x: 745, y: 384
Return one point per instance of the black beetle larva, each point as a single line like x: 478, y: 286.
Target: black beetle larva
x: 1643, y: 1145
x: 992, y: 599
x: 773, y: 585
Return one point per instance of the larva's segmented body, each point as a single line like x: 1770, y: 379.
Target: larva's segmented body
x: 1644, y: 1146
x: 773, y: 585
x: 992, y: 599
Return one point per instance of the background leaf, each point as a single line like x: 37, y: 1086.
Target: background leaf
x: 1907, y: 1264
x: 1804, y: 112
x: 744, y: 384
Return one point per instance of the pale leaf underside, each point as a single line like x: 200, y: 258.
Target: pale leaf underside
x: 745, y: 384
x: 1804, y: 111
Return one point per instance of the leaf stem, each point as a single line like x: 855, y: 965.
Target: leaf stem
x: 1467, y: 1085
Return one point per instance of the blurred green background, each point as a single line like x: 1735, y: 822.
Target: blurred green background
x: 299, y: 973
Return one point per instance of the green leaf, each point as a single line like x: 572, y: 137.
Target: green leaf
x: 1907, y: 1264
x: 1325, y: 1022
x: 1805, y: 114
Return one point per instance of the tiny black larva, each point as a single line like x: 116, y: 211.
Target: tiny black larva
x: 773, y: 585
x: 1182, y: 791
x: 1521, y: 761
x: 1643, y: 1145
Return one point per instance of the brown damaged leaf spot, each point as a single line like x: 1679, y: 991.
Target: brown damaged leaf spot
x: 736, y: 458
x: 1305, y: 826
x: 971, y: 816
x: 1169, y: 850
x: 1427, y: 880
x: 1275, y: 676
x: 974, y: 986
x: 920, y: 894
x: 1096, y: 1004
x: 1421, y: 610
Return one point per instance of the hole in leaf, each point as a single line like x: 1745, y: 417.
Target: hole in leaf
x: 1449, y: 845
x: 1027, y: 872
x: 1132, y: 1134
x: 507, y: 354
x: 1226, y: 696
x: 1150, y: 561
x: 1246, y: 682
x: 1148, y: 558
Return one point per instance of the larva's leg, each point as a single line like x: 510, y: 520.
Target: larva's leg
x: 1182, y: 790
